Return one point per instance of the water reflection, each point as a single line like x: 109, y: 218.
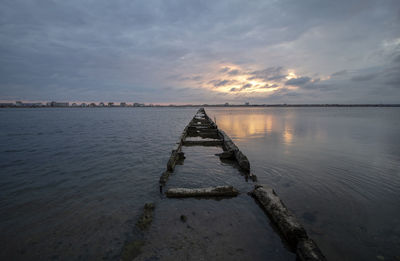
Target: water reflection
x: 337, y: 169
x: 288, y: 135
x: 243, y: 126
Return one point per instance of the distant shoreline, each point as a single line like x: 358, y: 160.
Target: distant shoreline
x: 211, y: 105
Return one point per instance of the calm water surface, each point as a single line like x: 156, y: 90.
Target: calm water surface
x: 216, y: 229
x: 337, y: 169
x: 73, y: 181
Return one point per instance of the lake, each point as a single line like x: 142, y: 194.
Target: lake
x: 74, y: 180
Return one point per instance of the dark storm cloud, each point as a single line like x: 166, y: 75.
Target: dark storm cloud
x: 269, y: 74
x: 277, y: 78
x: 246, y: 86
x: 230, y: 71
x: 396, y: 60
x: 122, y: 49
x: 234, y: 72
x: 365, y: 77
x: 319, y: 86
x: 391, y: 74
x: 298, y: 81
x: 220, y: 83
x: 394, y: 80
x: 268, y: 86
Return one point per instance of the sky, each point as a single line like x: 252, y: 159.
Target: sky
x: 262, y: 52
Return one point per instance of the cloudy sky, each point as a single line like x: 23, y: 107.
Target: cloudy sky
x: 281, y: 51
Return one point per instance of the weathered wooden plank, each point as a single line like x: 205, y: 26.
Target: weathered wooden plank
x: 229, y: 145
x: 202, y: 143
x: 220, y: 191
x: 288, y: 225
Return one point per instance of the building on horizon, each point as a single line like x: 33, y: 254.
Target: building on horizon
x: 58, y: 104
x: 7, y: 104
x: 28, y: 104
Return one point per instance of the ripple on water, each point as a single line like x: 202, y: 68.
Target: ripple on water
x: 72, y: 180
x: 337, y: 169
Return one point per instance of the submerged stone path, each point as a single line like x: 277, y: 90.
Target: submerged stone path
x: 218, y: 221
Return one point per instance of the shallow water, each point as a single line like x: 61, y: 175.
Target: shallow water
x: 337, y: 169
x: 233, y: 228
x: 74, y: 181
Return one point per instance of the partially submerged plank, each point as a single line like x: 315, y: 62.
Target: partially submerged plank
x: 164, y: 178
x: 288, y: 225
x: 230, y: 146
x: 220, y: 191
x: 203, y: 126
x: 307, y: 250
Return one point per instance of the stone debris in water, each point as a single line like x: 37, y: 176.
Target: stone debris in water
x: 183, y: 218
x: 220, y: 191
x: 133, y: 248
x: 147, y: 217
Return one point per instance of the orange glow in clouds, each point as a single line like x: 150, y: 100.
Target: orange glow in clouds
x: 236, y: 80
x: 233, y: 79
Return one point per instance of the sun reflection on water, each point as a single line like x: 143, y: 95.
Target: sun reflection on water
x: 288, y: 136
x: 242, y: 126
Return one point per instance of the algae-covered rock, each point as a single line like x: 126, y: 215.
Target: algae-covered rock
x: 183, y: 218
x: 132, y: 250
x: 147, y: 217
